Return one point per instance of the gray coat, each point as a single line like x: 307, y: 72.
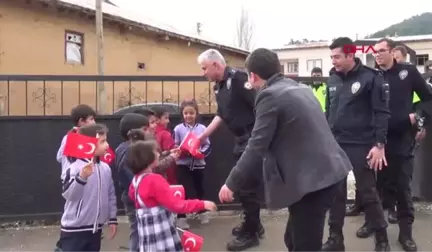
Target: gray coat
x: 291, y: 134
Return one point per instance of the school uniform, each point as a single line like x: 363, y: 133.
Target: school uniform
x: 89, y: 205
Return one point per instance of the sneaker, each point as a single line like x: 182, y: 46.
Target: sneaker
x: 182, y: 223
x: 204, y: 218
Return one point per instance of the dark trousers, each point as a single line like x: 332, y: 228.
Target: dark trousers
x: 192, y: 181
x: 305, y: 227
x: 366, y: 186
x: 398, y: 176
x: 80, y: 241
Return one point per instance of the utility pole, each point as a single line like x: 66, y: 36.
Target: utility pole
x: 101, y: 92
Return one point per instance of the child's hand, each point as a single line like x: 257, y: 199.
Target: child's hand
x: 210, y: 205
x: 113, y: 228
x: 175, y: 153
x: 86, y: 171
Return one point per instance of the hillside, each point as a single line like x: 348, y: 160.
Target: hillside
x: 415, y: 25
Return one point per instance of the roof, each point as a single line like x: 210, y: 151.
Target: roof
x: 405, y: 39
x: 115, y: 13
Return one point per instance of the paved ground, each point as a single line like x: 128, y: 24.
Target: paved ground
x: 217, y: 233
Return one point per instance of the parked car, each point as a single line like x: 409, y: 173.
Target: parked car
x: 173, y: 108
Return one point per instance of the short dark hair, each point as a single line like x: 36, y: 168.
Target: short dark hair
x: 160, y: 111
x: 145, y: 112
x: 82, y: 111
x: 140, y: 155
x: 391, y: 44
x: 402, y: 49
x: 263, y: 62
x: 316, y: 70
x: 341, y: 42
x: 132, y: 121
x: 138, y: 134
x: 93, y: 130
x: 191, y: 103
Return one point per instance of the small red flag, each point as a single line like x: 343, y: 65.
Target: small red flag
x: 191, y: 144
x: 178, y: 191
x: 108, y: 157
x: 80, y: 146
x: 191, y: 241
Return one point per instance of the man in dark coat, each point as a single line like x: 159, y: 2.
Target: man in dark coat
x: 303, y: 164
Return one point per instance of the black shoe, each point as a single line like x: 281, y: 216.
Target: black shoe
x: 364, y: 231
x: 408, y: 244
x: 381, y: 241
x: 353, y: 210
x: 243, y: 242
x: 382, y: 246
x: 392, y: 216
x: 335, y: 242
x: 238, y: 230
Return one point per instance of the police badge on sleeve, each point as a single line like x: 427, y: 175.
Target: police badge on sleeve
x: 403, y: 74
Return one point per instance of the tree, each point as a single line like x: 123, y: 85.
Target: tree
x: 244, y: 33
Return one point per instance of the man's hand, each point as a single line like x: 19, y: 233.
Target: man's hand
x: 87, y: 171
x: 412, y: 118
x: 113, y: 232
x: 420, y: 135
x: 225, y: 194
x: 376, y: 158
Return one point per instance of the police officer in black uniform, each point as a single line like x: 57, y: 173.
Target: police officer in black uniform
x: 405, y: 127
x: 357, y: 113
x: 236, y: 100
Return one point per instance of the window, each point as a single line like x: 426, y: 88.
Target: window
x: 313, y: 63
x: 282, y: 68
x: 292, y: 67
x: 422, y: 59
x: 74, y: 43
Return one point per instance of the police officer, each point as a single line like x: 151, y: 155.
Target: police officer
x: 236, y: 100
x: 357, y: 113
x: 318, y: 87
x: 404, y: 128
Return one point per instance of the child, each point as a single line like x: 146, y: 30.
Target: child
x: 190, y: 170
x: 164, y: 139
x: 133, y: 127
x: 89, y: 192
x: 155, y: 202
x: 81, y: 115
x: 151, y: 115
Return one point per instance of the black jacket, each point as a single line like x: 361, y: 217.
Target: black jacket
x: 357, y: 105
x: 291, y: 134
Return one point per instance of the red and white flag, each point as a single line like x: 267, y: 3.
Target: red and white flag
x: 108, y: 157
x: 192, y: 144
x: 191, y: 241
x: 178, y: 191
x: 80, y: 146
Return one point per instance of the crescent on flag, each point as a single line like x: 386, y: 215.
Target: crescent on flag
x: 190, y: 142
x: 107, y: 156
x: 190, y: 239
x: 92, y: 146
x: 177, y: 193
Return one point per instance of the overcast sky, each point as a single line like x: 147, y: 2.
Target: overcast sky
x: 277, y: 21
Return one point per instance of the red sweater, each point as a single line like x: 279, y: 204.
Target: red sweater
x: 154, y: 190
x: 166, y: 143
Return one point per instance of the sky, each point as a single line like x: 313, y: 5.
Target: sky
x: 277, y: 21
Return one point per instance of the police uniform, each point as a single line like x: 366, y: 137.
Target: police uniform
x: 236, y: 102
x: 357, y: 112
x: 405, y: 81
x: 320, y: 93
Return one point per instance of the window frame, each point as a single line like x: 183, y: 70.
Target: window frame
x: 81, y: 47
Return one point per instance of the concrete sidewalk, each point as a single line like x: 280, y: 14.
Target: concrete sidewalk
x: 217, y: 233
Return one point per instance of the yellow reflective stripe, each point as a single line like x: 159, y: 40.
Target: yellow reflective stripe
x: 415, y: 98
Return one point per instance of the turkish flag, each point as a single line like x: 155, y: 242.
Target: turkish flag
x: 178, y: 191
x: 191, y: 241
x: 191, y: 144
x: 108, y: 157
x: 80, y: 146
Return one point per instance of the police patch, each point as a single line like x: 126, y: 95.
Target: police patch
x: 403, y: 74
x: 355, y: 87
x: 247, y: 85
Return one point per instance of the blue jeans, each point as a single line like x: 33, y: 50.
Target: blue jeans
x: 133, y: 224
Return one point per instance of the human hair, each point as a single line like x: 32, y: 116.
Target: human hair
x: 132, y: 121
x: 191, y: 103
x: 82, y: 111
x: 391, y: 44
x: 140, y: 155
x: 263, y: 62
x: 138, y: 134
x: 160, y: 111
x: 401, y: 49
x: 93, y: 130
x: 211, y: 55
x: 145, y: 112
x: 316, y: 70
x: 341, y: 42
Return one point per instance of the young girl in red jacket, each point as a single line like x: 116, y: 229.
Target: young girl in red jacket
x: 155, y: 202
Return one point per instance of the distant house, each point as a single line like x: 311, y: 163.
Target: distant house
x: 298, y: 60
x: 58, y: 37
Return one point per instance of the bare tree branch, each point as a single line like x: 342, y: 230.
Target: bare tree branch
x: 244, y: 32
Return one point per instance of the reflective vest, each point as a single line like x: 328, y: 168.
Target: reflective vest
x: 415, y: 98
x: 320, y: 94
